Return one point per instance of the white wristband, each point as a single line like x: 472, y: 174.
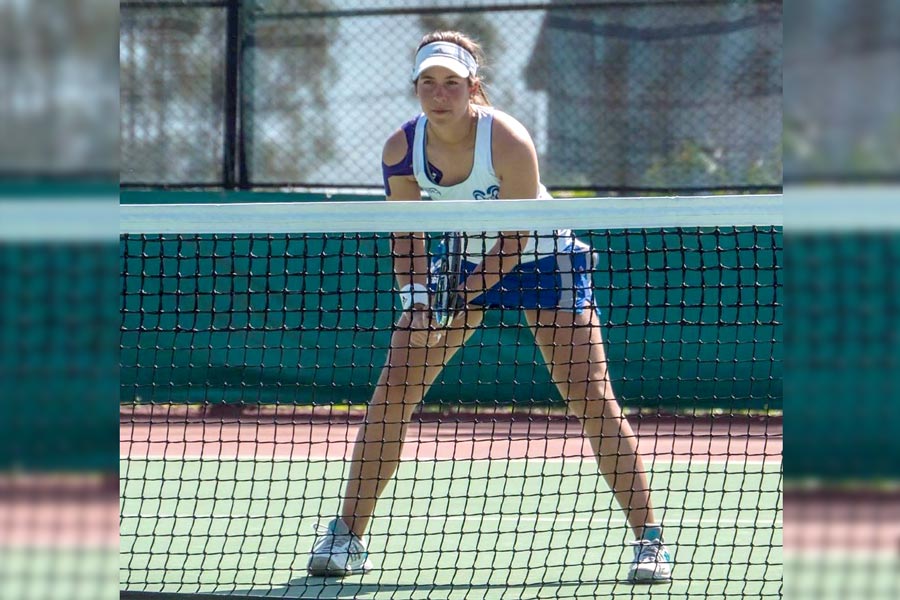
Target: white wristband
x: 412, y: 294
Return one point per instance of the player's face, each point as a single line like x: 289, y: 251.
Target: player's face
x: 442, y: 93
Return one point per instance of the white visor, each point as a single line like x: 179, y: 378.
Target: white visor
x: 445, y: 54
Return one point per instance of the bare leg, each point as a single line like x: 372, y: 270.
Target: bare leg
x: 405, y: 379
x: 572, y: 346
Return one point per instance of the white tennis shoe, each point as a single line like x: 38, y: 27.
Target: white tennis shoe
x: 652, y: 562
x: 338, y: 552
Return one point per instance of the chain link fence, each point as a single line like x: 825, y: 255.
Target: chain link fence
x: 618, y: 95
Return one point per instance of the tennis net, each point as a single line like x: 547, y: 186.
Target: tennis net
x: 253, y: 336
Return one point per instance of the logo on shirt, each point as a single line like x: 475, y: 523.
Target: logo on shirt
x: 492, y: 193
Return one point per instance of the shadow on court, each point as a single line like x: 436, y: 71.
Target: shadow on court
x: 354, y: 587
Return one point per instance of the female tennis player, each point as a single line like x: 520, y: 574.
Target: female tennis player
x: 461, y: 148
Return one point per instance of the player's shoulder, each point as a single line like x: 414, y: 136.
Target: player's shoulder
x: 508, y: 133
x: 397, y: 146
x: 509, y: 136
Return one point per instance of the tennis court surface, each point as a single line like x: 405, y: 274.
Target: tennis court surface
x: 495, y: 520
x: 247, y: 359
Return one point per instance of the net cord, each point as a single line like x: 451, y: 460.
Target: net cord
x: 490, y: 215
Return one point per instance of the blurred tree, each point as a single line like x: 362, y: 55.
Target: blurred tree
x: 173, y: 92
x: 287, y: 70
x: 58, y: 69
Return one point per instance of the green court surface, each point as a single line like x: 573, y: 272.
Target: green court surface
x: 52, y: 573
x: 842, y: 575
x: 447, y: 529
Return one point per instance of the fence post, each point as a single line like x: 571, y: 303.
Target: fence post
x: 232, y: 162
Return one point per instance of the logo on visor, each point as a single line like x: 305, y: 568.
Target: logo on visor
x: 457, y: 54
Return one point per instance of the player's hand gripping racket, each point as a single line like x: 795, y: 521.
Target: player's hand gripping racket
x: 446, y: 302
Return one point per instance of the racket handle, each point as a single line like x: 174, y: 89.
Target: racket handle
x: 456, y: 307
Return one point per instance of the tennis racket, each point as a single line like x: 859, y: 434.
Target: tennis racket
x: 446, y: 303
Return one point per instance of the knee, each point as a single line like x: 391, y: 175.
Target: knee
x: 397, y: 393
x: 404, y: 381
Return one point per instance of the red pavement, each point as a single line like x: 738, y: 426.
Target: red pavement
x: 181, y: 432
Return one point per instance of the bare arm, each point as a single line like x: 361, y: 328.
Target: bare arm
x: 408, y: 248
x: 516, y: 165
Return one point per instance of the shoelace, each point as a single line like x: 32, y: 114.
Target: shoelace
x: 353, y: 549
x: 326, y: 537
x: 649, y: 550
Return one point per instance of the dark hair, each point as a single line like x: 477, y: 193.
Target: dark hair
x: 464, y: 41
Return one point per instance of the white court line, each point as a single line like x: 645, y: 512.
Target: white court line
x: 841, y: 554
x: 774, y: 460
x: 542, y: 519
x: 518, y: 518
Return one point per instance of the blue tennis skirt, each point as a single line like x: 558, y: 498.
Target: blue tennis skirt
x: 561, y: 281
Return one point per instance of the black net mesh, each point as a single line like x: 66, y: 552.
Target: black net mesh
x: 248, y: 362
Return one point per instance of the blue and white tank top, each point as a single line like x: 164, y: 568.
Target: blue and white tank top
x: 482, y: 184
